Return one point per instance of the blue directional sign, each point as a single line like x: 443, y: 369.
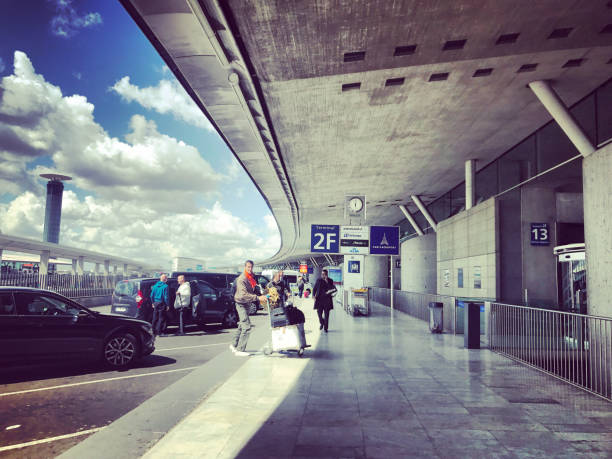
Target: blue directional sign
x: 325, y: 238
x: 384, y: 240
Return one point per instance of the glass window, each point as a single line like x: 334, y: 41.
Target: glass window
x: 604, y: 113
x: 440, y: 208
x: 518, y: 165
x: 125, y: 288
x: 421, y: 220
x: 7, y: 306
x: 486, y: 182
x: 205, y: 289
x: 457, y: 199
x: 584, y: 113
x: 33, y: 304
x: 553, y: 147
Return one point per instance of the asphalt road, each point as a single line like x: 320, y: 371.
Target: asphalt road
x: 44, y: 402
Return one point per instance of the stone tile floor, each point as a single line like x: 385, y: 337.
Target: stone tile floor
x: 384, y: 387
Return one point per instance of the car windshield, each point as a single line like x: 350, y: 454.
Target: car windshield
x: 125, y: 288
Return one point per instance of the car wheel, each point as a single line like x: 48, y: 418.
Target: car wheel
x: 230, y: 319
x: 120, y: 350
x: 252, y: 309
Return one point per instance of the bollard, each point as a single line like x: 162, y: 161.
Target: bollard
x: 471, y: 328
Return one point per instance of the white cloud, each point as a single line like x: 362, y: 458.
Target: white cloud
x: 67, y: 22
x: 168, y: 97
x: 138, y: 198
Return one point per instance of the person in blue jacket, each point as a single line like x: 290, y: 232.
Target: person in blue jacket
x: 160, y: 299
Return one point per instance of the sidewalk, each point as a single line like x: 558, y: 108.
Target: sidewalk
x: 383, y: 386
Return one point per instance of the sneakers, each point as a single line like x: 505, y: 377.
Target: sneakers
x: 232, y: 348
x: 241, y: 353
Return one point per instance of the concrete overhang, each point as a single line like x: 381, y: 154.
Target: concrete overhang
x: 306, y: 143
x: 25, y: 245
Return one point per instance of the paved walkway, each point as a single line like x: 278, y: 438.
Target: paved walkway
x: 383, y: 386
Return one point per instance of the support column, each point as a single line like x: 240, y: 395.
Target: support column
x: 125, y: 270
x: 81, y: 265
x: 97, y: 270
x: 425, y: 212
x: 411, y: 219
x: 557, y: 109
x: 73, y: 270
x: 106, y: 273
x: 470, y: 188
x: 43, y: 268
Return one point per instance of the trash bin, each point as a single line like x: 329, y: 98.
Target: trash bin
x: 360, y: 304
x: 436, y: 325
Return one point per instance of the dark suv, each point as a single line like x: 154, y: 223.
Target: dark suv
x: 38, y: 325
x: 132, y: 298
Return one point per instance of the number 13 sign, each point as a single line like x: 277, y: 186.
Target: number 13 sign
x: 540, y: 234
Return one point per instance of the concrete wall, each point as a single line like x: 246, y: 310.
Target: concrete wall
x: 510, y: 250
x: 570, y: 208
x: 418, y: 271
x: 597, y: 188
x: 468, y: 242
x: 376, y: 272
x: 539, y: 266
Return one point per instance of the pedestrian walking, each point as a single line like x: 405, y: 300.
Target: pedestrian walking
x: 245, y: 294
x: 323, y: 293
x: 301, y: 284
x: 160, y: 299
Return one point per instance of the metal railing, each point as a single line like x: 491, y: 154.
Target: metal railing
x: 70, y: 285
x: 573, y: 347
x: 417, y: 304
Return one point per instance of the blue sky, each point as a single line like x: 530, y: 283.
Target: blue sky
x: 83, y: 93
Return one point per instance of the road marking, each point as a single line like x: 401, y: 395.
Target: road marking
x: 190, y: 347
x: 96, y: 381
x: 50, y: 439
x: 16, y: 426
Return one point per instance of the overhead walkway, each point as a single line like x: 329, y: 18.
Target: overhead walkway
x: 383, y: 386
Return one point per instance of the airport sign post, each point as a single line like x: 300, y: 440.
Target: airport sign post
x: 354, y: 240
x: 324, y: 238
x: 384, y: 240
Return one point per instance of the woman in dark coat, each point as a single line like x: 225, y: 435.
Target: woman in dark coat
x: 323, y: 293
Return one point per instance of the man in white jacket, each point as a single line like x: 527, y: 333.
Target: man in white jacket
x: 183, y: 299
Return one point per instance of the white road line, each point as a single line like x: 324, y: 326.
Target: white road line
x: 190, y: 347
x: 96, y: 381
x: 47, y: 440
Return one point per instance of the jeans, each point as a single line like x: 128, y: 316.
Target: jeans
x: 324, y: 317
x: 159, y: 318
x: 241, y: 335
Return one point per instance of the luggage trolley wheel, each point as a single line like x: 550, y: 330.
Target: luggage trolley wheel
x: 300, y: 351
x: 267, y: 350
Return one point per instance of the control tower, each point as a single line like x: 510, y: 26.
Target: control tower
x: 53, y: 209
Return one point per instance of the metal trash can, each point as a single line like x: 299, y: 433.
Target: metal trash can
x: 436, y: 324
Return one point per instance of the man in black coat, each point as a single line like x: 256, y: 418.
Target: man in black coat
x: 323, y: 292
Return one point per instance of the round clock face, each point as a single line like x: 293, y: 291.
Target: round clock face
x: 356, y: 204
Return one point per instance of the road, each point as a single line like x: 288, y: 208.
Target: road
x: 40, y: 403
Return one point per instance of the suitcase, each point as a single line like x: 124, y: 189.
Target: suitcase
x: 278, y: 317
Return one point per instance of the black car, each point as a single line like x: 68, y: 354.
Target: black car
x: 208, y: 304
x: 38, y: 325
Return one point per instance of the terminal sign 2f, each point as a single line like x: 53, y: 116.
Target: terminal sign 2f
x: 325, y: 238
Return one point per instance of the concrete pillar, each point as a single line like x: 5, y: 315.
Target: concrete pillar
x: 562, y: 116
x: 125, y: 270
x: 106, y: 273
x: 425, y: 212
x: 43, y: 266
x: 597, y: 189
x: 81, y: 265
x: 411, y: 219
x: 97, y: 270
x: 470, y: 183
x: 73, y: 270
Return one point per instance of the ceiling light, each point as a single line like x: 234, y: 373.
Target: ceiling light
x: 350, y: 86
x: 483, y: 72
x: 395, y: 81
x: 560, y: 33
x: 354, y: 56
x: 405, y: 50
x: 507, y: 38
x: 454, y: 44
x: 438, y: 76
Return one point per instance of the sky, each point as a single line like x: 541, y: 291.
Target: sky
x: 83, y: 93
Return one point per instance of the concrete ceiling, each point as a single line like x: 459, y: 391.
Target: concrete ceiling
x: 306, y: 142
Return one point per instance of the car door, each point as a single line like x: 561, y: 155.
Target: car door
x: 11, y: 336
x: 214, y: 311
x: 53, y: 326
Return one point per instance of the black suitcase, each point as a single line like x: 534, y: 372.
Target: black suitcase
x: 278, y: 317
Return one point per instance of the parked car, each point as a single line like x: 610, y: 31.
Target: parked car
x: 217, y: 280
x: 38, y: 325
x: 131, y: 298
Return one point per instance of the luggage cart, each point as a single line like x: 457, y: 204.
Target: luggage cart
x: 285, y: 338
